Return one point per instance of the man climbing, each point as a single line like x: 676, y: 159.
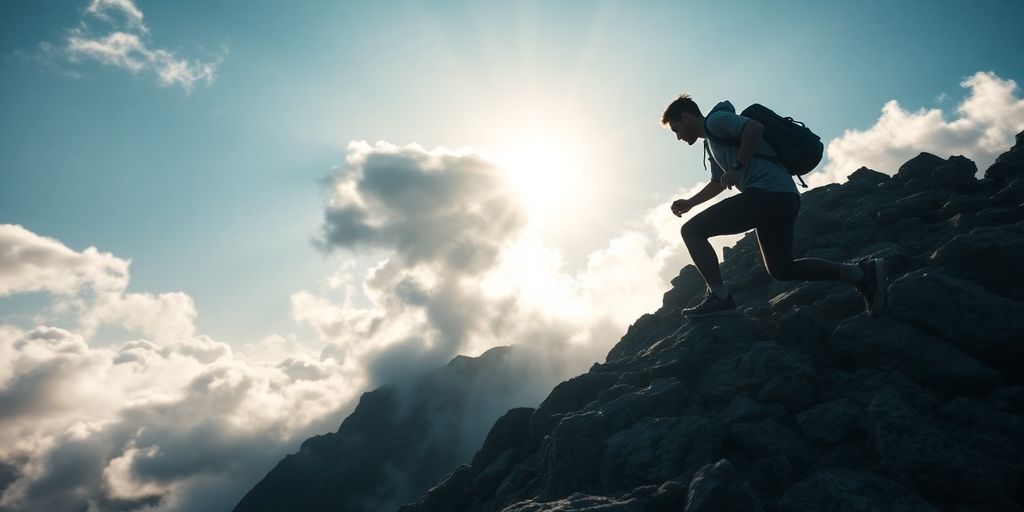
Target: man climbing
x: 768, y: 202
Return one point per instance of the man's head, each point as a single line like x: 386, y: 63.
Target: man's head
x: 683, y: 117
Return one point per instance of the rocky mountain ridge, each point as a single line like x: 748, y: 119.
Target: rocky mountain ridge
x: 800, y: 402
x: 400, y: 439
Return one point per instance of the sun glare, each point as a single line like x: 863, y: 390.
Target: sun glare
x: 544, y: 172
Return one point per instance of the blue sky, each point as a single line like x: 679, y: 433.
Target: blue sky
x: 282, y: 259
x: 215, y: 192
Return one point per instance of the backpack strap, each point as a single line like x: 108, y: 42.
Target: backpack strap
x: 733, y: 142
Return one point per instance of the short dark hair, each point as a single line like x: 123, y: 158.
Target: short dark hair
x: 684, y: 104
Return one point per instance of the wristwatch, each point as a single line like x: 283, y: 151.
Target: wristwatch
x: 737, y: 165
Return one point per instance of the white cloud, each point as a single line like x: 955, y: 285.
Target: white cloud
x: 149, y: 423
x: 985, y: 125
x: 91, y: 283
x: 127, y: 46
x: 126, y: 8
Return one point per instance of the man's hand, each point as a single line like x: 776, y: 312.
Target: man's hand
x: 730, y: 179
x: 681, y: 206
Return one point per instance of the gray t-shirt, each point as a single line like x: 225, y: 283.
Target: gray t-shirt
x: 724, y: 123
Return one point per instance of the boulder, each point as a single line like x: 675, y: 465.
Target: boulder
x: 914, y: 449
x: 956, y: 174
x: 989, y: 256
x: 927, y: 360
x: 920, y: 167
x: 574, y: 455
x: 718, y: 487
x: 1008, y: 164
x: 657, y: 449
x: 1012, y: 193
x: 578, y: 502
x: 831, y: 422
x: 567, y: 397
x: 766, y: 440
x: 663, y: 397
x: 985, y: 325
x: 869, y: 176
x: 999, y: 215
x: 509, y: 432
x: 844, y: 490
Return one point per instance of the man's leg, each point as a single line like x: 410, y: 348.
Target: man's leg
x: 777, y: 250
x: 729, y: 216
x: 868, y: 276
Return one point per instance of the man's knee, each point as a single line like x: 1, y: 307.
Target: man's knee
x: 691, y: 231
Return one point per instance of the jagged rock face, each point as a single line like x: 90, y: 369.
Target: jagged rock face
x: 800, y: 402
x: 399, y: 440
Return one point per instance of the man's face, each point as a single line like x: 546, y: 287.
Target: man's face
x: 684, y: 128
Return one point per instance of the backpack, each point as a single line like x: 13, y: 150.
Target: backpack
x: 800, y: 150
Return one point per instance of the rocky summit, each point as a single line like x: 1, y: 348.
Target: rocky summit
x: 799, y: 401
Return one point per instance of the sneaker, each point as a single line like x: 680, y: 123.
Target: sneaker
x: 710, y: 306
x: 873, y: 287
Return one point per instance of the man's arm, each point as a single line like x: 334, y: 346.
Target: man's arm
x: 681, y: 206
x: 750, y: 139
x: 712, y: 189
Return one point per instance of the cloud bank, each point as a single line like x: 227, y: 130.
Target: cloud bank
x: 173, y: 421
x: 114, y: 33
x: 984, y: 126
x: 90, y: 284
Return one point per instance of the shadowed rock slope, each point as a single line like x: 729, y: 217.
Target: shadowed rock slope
x: 800, y: 402
x: 399, y: 440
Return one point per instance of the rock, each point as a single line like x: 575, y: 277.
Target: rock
x: 767, y: 439
x: 925, y: 204
x: 1008, y: 398
x: 989, y: 256
x: 869, y: 176
x: 831, y: 422
x: 843, y: 490
x: 963, y: 221
x: 574, y: 456
x: 920, y: 167
x: 669, y: 497
x: 718, y: 487
x: 805, y: 294
x: 741, y: 409
x: 509, y: 432
x: 687, y: 287
x: 493, y: 474
x: 569, y: 396
x: 805, y: 327
x: 450, y: 495
x: 945, y: 466
x: 929, y: 361
x: 965, y: 205
x: 663, y: 397
x: 987, y: 326
x: 974, y: 415
x: 956, y: 174
x: 1012, y: 193
x: 578, y: 502
x: 656, y: 449
x: 998, y: 215
x: 1008, y: 164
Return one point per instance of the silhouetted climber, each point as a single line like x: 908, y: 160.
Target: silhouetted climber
x: 768, y: 202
